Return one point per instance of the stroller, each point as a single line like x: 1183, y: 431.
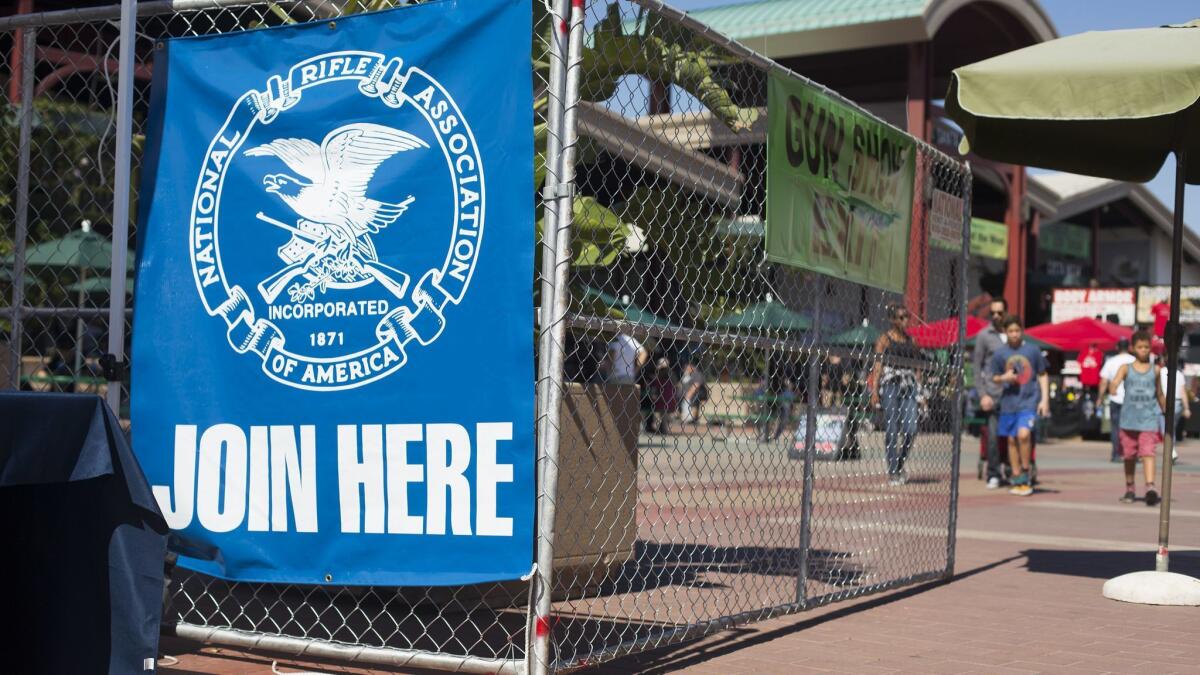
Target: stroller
x: 1002, y: 448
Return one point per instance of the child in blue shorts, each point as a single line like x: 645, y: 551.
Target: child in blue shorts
x: 1021, y: 368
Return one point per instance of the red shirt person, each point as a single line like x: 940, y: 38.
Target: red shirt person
x: 1161, y: 312
x: 1090, y: 362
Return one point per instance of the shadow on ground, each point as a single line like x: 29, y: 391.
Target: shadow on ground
x: 656, y: 565
x: 677, y: 657
x: 1104, y: 564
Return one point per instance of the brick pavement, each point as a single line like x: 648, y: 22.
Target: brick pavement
x: 1026, y: 597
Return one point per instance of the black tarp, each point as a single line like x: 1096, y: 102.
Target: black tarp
x: 82, y: 541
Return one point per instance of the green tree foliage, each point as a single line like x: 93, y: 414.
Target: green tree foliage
x: 70, y: 181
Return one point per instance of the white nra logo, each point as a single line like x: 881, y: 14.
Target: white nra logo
x: 326, y: 223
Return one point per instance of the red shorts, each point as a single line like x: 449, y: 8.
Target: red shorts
x: 1136, y: 444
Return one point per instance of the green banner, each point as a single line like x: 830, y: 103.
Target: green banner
x: 839, y: 188
x: 989, y: 239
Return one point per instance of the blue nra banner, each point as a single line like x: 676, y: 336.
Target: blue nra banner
x: 332, y: 362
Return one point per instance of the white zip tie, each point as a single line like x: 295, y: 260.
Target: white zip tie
x: 532, y: 571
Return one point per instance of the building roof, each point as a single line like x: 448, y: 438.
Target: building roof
x: 783, y: 28
x: 1059, y: 195
x: 774, y: 17
x: 644, y: 146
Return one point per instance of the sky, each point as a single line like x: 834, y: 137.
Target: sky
x: 1078, y: 16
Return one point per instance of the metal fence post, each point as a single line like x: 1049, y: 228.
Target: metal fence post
x: 121, y: 184
x: 556, y: 261
x: 810, y: 446
x: 960, y: 402
x: 28, y: 57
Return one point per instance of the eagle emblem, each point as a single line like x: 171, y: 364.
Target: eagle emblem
x: 327, y: 190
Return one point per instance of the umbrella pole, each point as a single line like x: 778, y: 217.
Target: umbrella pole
x: 1162, y: 558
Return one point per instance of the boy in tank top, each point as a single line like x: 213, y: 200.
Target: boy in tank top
x: 1144, y: 401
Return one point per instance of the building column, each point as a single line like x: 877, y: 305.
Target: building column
x: 920, y: 76
x: 919, y: 85
x: 1015, y: 276
x: 18, y: 49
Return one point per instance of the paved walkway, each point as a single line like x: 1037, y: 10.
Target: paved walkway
x: 1026, y: 598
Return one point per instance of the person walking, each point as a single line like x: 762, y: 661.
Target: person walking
x: 987, y: 341
x: 1143, y: 402
x: 624, y: 363
x: 694, y: 392
x: 1183, y: 407
x: 778, y: 395
x: 663, y: 395
x: 896, y: 388
x: 1020, y: 368
x: 625, y: 359
x: 1161, y: 311
x: 1115, y: 397
x: 1091, y: 360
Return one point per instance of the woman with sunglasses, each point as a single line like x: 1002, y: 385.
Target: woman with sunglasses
x: 895, y: 385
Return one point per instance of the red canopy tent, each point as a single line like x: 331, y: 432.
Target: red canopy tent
x: 1075, y: 335
x: 942, y: 334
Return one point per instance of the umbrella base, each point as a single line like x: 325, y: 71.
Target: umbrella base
x: 1154, y: 588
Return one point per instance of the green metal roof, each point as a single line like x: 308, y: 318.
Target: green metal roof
x: 778, y: 17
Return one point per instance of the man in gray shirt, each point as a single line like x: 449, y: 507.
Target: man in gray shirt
x: 987, y: 341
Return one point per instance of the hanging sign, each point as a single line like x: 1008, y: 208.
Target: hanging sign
x: 333, y: 355
x: 829, y: 437
x: 946, y: 221
x: 1102, y: 303
x: 1149, y: 296
x: 839, y: 187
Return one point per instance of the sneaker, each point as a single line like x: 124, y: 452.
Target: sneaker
x: 993, y: 483
x: 897, y: 480
x: 1023, y: 479
x: 1020, y: 490
x: 1151, y: 497
x: 1129, y: 497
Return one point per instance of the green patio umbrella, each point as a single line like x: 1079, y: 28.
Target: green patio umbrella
x: 98, y: 285
x: 1112, y: 104
x: 767, y: 315
x: 628, y: 310
x: 82, y: 249
x: 859, y: 335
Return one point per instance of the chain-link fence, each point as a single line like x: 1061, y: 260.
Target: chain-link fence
x: 721, y: 438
